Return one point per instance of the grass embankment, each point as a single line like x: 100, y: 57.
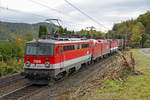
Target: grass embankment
x: 136, y: 87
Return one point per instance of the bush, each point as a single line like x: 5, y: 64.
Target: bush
x: 10, y: 68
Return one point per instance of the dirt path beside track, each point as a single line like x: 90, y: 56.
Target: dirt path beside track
x: 145, y: 52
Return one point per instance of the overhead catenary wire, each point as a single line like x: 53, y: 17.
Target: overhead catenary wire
x: 56, y: 10
x: 18, y: 11
x: 53, y: 10
x: 19, y: 21
x: 37, y: 15
x: 41, y: 4
x: 85, y: 14
x: 44, y: 5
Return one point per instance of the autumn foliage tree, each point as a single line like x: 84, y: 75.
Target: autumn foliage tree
x: 136, y: 31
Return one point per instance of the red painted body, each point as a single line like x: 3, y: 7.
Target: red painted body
x: 64, y: 56
x: 96, y: 49
x: 60, y: 55
x: 105, y: 46
x: 114, y: 44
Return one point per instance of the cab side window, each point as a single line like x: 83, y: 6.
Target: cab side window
x: 68, y: 47
x: 85, y: 45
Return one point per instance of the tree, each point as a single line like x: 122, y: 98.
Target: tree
x: 60, y: 30
x: 65, y: 30
x: 42, y: 31
x: 137, y: 32
x: 28, y: 36
x: 19, y: 46
x: 144, y: 39
x: 145, y: 20
x: 98, y: 35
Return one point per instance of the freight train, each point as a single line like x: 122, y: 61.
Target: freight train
x: 52, y: 59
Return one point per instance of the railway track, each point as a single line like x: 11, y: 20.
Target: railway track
x: 75, y: 80
x: 7, y: 80
x: 23, y: 93
x: 12, y: 82
x: 31, y: 92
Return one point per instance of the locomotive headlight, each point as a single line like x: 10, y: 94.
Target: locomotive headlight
x: 27, y: 64
x: 47, y: 64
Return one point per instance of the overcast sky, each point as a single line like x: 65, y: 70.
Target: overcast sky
x: 106, y: 12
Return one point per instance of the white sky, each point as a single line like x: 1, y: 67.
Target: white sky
x: 106, y: 12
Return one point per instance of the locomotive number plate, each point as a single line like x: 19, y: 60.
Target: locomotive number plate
x: 37, y: 61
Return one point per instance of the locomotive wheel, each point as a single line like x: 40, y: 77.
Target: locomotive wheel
x: 104, y: 56
x: 92, y: 61
x: 97, y: 59
x: 60, y: 76
x: 71, y: 71
x: 88, y: 63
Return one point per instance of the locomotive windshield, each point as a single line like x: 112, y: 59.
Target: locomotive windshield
x: 39, y: 49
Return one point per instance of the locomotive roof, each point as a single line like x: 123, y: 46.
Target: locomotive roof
x: 57, y: 41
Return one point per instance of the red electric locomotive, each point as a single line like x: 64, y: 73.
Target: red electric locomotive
x: 52, y: 59
x: 113, y: 45
x: 47, y: 59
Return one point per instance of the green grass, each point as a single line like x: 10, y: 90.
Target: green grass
x: 136, y: 87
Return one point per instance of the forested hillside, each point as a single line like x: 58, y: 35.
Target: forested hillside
x: 137, y: 31
x: 9, y: 30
